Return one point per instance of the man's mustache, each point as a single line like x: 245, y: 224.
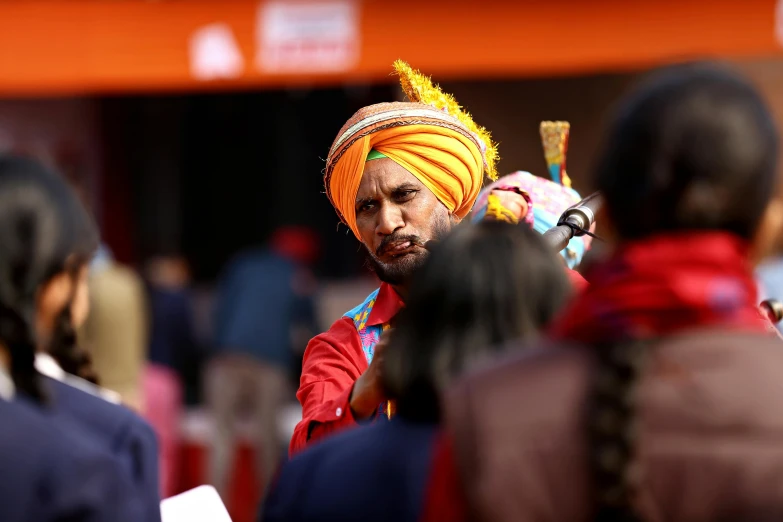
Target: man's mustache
x: 399, y: 238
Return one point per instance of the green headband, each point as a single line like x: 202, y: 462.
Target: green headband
x: 374, y: 154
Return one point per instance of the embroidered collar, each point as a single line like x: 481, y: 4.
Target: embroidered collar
x: 387, y: 305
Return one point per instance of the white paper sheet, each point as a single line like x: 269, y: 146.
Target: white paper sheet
x: 201, y: 504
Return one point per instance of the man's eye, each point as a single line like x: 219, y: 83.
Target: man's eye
x: 405, y: 194
x: 365, y: 207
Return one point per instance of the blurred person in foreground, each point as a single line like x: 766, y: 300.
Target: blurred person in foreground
x: 265, y: 297
x: 658, y: 394
x: 71, y: 378
x: 399, y: 175
x: 67, y: 453
x: 482, y: 286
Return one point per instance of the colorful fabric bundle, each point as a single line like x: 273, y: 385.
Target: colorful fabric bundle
x: 547, y: 199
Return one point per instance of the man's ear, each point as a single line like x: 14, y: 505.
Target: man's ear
x: 455, y: 219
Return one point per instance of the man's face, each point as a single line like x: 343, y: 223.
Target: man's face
x: 396, y: 215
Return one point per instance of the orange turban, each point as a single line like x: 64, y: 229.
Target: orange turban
x: 433, y: 146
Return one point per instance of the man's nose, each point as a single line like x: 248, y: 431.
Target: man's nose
x: 389, y: 220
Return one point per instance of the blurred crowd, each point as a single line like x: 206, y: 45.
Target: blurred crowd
x: 630, y: 373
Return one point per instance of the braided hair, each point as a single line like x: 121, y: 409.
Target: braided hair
x: 612, y: 430
x: 63, y: 345
x: 42, y: 231
x: 694, y: 148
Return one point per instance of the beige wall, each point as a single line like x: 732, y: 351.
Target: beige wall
x: 512, y: 110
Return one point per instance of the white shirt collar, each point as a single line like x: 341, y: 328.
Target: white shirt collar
x: 46, y: 365
x: 7, y: 388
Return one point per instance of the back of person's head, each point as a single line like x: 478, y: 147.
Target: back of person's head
x: 482, y: 286
x: 44, y: 233
x: 693, y: 148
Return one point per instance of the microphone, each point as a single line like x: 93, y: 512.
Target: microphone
x: 574, y: 222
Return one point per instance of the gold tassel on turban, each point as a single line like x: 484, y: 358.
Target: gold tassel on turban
x: 431, y: 138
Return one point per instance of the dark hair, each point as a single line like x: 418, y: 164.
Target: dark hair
x: 482, y: 286
x: 694, y: 148
x: 44, y: 230
x: 81, y: 241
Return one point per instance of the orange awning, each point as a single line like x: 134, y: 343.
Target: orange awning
x: 83, y: 46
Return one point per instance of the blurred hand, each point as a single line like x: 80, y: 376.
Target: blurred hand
x: 513, y: 202
x: 367, y: 392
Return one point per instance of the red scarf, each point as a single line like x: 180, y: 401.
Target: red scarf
x: 667, y: 284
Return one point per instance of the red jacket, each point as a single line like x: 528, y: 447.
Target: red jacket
x: 576, y: 279
x: 332, y: 362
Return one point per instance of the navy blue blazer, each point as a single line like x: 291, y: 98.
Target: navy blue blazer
x: 118, y: 431
x: 50, y: 473
x: 376, y: 472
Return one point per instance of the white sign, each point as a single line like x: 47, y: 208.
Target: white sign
x: 779, y: 21
x: 215, y: 54
x: 306, y: 37
x: 201, y: 504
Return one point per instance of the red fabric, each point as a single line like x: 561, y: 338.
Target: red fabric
x: 577, y: 280
x: 387, y: 305
x: 298, y: 243
x: 667, y: 284
x: 332, y: 363
x: 444, y: 498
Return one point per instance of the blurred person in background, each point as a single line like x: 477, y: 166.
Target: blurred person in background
x: 172, y: 346
x: 116, y: 332
x: 658, y: 395
x: 481, y: 287
x: 47, y: 239
x: 265, y: 298
x: 398, y: 175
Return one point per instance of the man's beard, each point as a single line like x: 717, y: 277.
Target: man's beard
x: 400, y: 269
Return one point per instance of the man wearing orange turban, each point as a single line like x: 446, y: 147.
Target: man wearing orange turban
x: 399, y: 175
